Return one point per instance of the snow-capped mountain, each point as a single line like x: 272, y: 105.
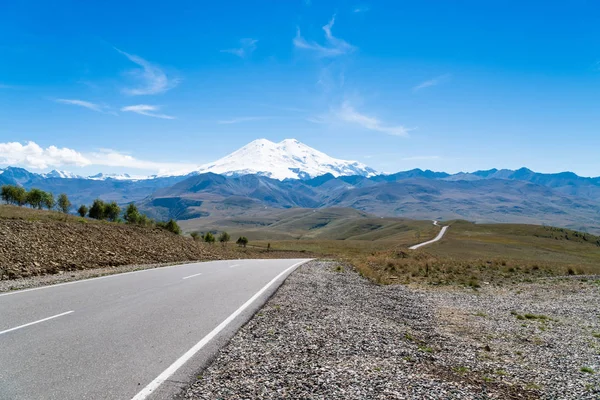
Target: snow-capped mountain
x: 61, y: 174
x: 286, y: 159
x: 118, y: 177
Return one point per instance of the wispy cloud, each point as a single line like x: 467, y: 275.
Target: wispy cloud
x: 248, y: 46
x: 85, y: 104
x: 361, y: 8
x: 432, y: 82
x: 31, y: 155
x: 147, y: 110
x: 151, y: 79
x: 334, y: 46
x: 242, y: 119
x: 347, y: 113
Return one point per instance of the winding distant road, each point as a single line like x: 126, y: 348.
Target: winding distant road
x: 437, y: 238
x: 138, y: 335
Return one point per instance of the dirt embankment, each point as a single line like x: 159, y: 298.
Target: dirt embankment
x: 29, y: 248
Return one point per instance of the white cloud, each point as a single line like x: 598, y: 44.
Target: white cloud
x: 247, y: 48
x: 347, y: 113
x: 32, y: 155
x: 85, y: 104
x: 146, y: 109
x: 361, y: 9
x: 334, y: 46
x: 113, y: 158
x: 151, y: 79
x: 432, y: 82
x: 242, y: 119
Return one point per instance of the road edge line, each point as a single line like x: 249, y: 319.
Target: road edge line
x: 167, y: 373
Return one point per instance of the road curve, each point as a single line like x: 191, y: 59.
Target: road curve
x: 435, y: 239
x: 140, y: 335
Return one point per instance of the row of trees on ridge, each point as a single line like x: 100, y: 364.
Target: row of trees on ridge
x: 35, y: 198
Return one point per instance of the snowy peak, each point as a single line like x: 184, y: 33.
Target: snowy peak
x: 288, y: 159
x: 61, y: 174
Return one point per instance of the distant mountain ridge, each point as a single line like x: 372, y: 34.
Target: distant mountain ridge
x: 265, y: 175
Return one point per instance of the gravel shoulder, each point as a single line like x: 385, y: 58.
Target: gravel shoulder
x: 328, y: 333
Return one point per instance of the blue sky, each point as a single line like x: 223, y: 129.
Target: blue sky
x: 144, y: 87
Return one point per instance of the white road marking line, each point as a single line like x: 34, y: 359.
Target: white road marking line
x: 234, y: 265
x: 35, y: 322
x: 166, y: 374
x: 105, y: 277
x: 191, y: 276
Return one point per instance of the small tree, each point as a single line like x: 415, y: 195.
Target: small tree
x: 242, y: 241
x: 36, y: 198
x: 195, y: 236
x: 112, y: 211
x: 172, y: 226
x: 7, y: 194
x: 64, y: 203
x: 82, y: 210
x: 20, y: 195
x: 48, y: 201
x: 209, y: 238
x: 97, y: 209
x: 224, y: 238
x: 132, y: 215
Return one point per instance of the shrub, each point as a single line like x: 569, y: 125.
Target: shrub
x: 112, y: 211
x: 242, y: 241
x: 172, y: 226
x: 132, y: 215
x: 224, y: 238
x: 97, y: 209
x: 64, y: 203
x: 82, y: 210
x: 209, y: 238
x: 195, y: 236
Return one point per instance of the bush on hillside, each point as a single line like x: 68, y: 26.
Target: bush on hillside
x: 97, y: 209
x: 82, y: 210
x: 63, y: 203
x: 170, y: 226
x: 132, y: 215
x: 209, y: 238
x: 112, y: 211
x: 224, y: 238
x: 195, y: 236
x: 242, y: 241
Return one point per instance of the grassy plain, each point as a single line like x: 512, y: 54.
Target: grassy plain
x: 470, y: 254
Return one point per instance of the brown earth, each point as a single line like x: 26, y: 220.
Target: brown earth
x: 40, y: 247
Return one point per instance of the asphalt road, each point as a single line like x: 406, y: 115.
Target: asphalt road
x: 139, y: 335
x: 435, y: 239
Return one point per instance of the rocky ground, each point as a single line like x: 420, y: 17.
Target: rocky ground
x: 40, y: 252
x: 330, y: 334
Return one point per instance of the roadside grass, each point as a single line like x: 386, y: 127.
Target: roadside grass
x: 471, y: 255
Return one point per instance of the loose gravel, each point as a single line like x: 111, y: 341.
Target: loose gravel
x: 329, y: 334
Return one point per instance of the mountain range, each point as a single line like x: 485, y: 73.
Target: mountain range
x: 265, y: 176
